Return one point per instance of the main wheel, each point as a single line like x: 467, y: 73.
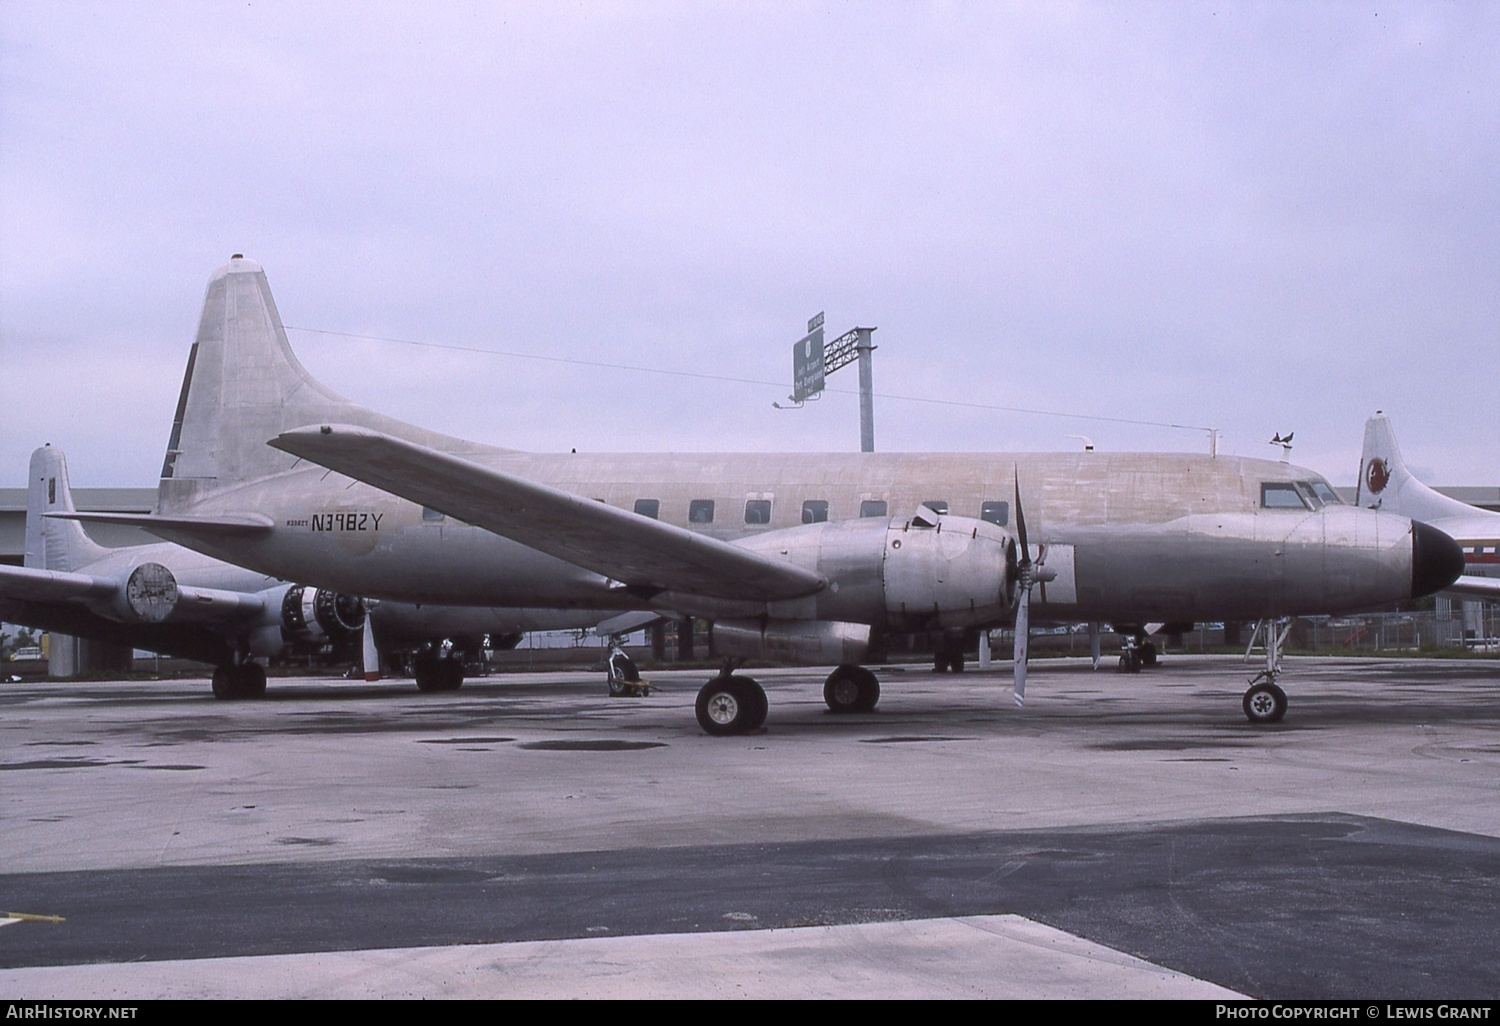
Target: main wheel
x: 427, y: 670
x: 851, y: 689
x: 223, y: 683
x: 730, y: 705
x: 1130, y: 661
x: 251, y: 680
x: 1264, y: 703
x: 1148, y: 654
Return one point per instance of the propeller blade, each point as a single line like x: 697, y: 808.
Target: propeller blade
x: 1021, y: 524
x: 1094, y: 642
x: 369, y: 654
x: 1023, y: 602
x: 1023, y: 625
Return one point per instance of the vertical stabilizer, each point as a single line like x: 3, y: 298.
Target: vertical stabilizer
x: 1386, y: 484
x: 244, y: 386
x: 53, y: 544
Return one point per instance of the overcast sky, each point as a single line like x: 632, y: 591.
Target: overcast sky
x: 1256, y: 217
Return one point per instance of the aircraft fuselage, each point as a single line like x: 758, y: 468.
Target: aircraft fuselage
x: 1130, y: 537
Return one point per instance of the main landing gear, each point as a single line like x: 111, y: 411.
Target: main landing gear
x: 436, y: 672
x: 851, y: 689
x: 1264, y: 700
x: 239, y: 680
x: 1136, y: 653
x: 732, y: 704
x: 948, y: 653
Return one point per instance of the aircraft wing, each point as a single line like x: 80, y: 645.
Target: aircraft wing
x: 646, y: 555
x: 192, y: 604
x: 25, y: 584
x: 1474, y: 586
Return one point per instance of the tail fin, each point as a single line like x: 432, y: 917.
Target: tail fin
x: 244, y: 386
x: 1386, y: 484
x: 53, y: 544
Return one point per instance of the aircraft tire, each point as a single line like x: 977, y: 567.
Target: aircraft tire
x: 1148, y: 654
x: 762, y: 707
x: 730, y: 705
x: 618, y: 688
x: 223, y: 683
x: 1130, y: 662
x: 851, y: 689
x: 427, y: 673
x: 251, y: 679
x: 1264, y: 703
x: 451, y: 674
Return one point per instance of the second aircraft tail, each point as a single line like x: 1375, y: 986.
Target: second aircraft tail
x: 1386, y: 484
x: 53, y: 543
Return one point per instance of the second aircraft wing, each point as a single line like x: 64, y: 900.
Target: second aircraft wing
x: 643, y: 554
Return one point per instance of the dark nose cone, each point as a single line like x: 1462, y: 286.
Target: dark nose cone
x: 1436, y: 560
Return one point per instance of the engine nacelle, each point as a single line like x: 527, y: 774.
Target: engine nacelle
x: 315, y: 613
x: 819, y: 642
x: 924, y: 573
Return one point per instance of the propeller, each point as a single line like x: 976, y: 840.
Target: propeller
x: 369, y: 653
x: 1027, y: 574
x: 1094, y: 641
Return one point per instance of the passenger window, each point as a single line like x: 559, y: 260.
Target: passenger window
x: 997, y: 513
x: 701, y: 511
x: 757, y: 511
x: 815, y: 511
x: 1280, y: 495
x: 872, y: 508
x: 938, y: 506
x: 649, y: 508
x: 431, y: 516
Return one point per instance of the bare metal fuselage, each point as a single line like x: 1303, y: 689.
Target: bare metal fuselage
x: 1130, y: 537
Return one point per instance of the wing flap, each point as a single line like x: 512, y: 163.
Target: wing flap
x: 643, y: 554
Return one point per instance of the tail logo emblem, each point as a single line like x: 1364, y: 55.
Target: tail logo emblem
x: 1377, y: 476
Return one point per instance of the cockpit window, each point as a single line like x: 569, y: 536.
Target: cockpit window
x: 1323, y: 490
x: 1280, y: 495
x: 1308, y: 495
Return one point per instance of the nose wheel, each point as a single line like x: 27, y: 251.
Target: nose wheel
x: 1265, y: 703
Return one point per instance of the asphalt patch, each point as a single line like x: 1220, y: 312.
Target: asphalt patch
x: 590, y: 746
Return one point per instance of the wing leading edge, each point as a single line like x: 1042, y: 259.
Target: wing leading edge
x: 645, y: 555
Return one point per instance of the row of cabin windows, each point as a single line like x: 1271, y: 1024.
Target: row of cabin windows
x: 814, y: 511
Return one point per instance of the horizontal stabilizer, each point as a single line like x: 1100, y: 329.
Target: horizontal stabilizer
x: 232, y: 523
x: 643, y: 554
